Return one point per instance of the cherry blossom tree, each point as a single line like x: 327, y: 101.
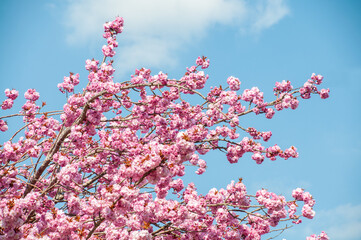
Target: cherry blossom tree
x: 110, y: 164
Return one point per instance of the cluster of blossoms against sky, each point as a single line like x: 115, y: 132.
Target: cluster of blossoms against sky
x: 109, y: 165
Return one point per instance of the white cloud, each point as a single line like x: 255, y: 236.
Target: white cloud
x: 343, y: 222
x: 155, y: 30
x: 269, y: 13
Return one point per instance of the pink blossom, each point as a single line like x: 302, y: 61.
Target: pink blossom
x: 3, y: 126
x: 307, y: 211
x: 270, y: 113
x: 140, y: 235
x: 203, y: 62
x: 91, y: 65
x: 284, y: 86
x: 177, y: 185
x: 31, y: 95
x: 322, y: 236
x: 324, y: 93
x: 12, y: 94
x: 116, y: 26
x: 294, y: 103
x: 69, y: 83
x: 112, y: 165
x: 290, y: 152
x: 108, y: 50
x: 266, y: 135
x: 298, y: 194
x: 234, y: 83
x: 317, y: 78
x: 112, y: 42
x: 7, y: 104
x: 258, y: 158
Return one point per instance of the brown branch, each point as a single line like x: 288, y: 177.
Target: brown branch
x: 56, y: 146
x: 96, y: 225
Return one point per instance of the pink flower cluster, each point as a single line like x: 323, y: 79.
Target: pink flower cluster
x: 69, y: 82
x: 3, y: 126
x: 258, y: 135
x: 203, y: 62
x: 322, y: 236
x: 30, y: 108
x: 111, y: 30
x: 310, y: 87
x: 31, y: 95
x: 236, y: 151
x: 308, y: 200
x: 12, y: 95
x: 8, y: 104
x: 234, y: 83
x: 282, y: 87
x: 106, y: 169
x: 114, y: 27
x: 275, y: 150
x: 91, y: 65
x: 288, y: 101
x: 275, y: 205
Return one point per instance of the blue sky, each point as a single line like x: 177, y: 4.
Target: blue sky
x: 260, y: 42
